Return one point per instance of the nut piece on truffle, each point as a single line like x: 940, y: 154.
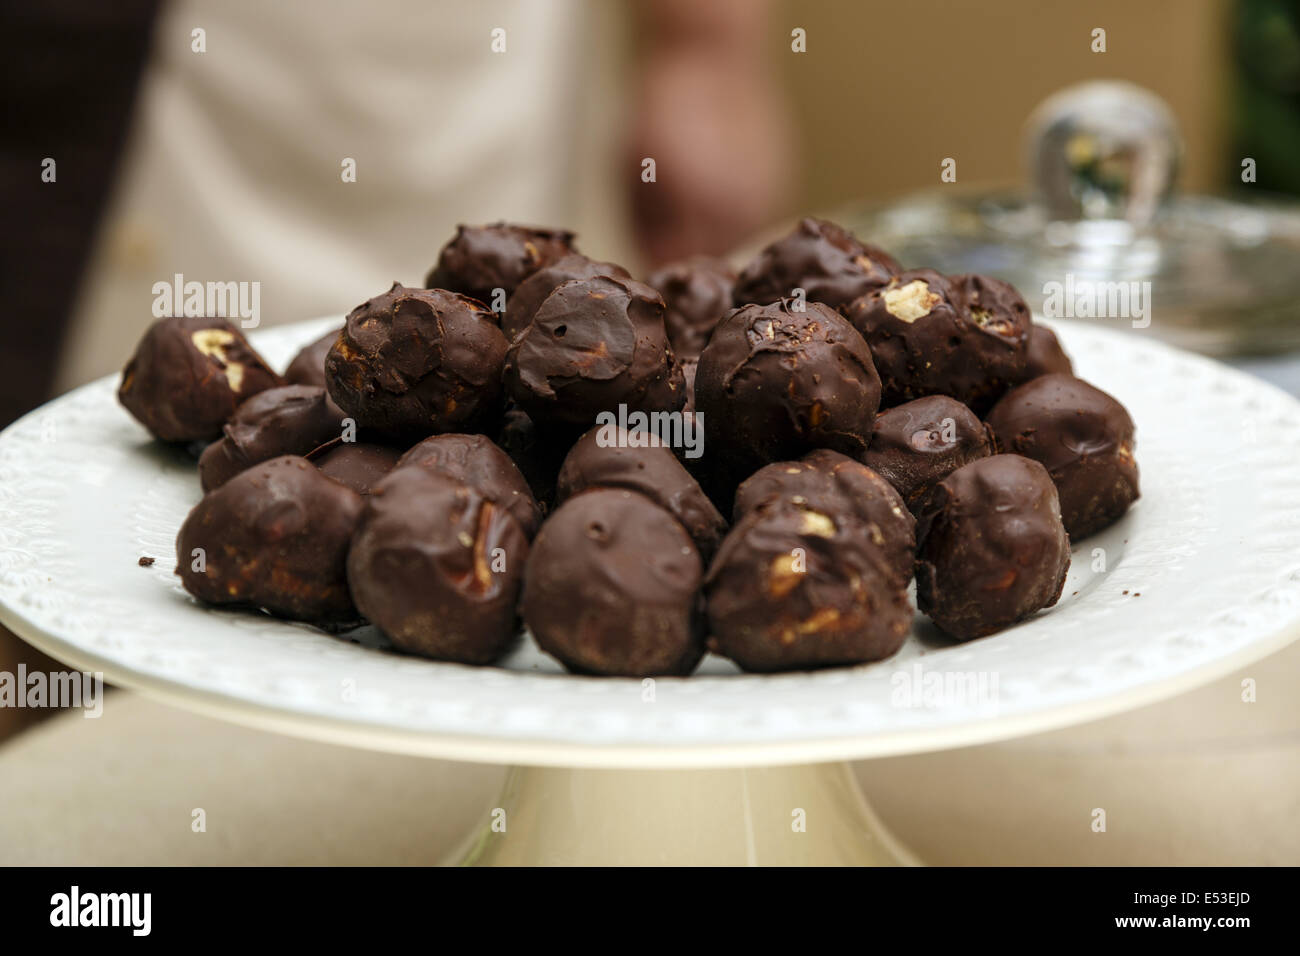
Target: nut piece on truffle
x: 188, y: 375
x: 359, y: 465
x: 286, y: 420
x: 916, y: 445
x: 1045, y: 354
x: 993, y: 549
x: 830, y: 483
x: 793, y: 587
x: 308, y: 366
x: 475, y: 461
x: 1085, y: 439
x: 612, y: 587
x: 437, y: 567
x: 609, y: 457
x: 963, y: 336
x: 414, y: 362
x: 829, y: 263
x: 595, y: 344
x: 276, y: 537
x: 697, y: 292
x: 775, y: 383
x: 478, y: 260
x: 537, y: 288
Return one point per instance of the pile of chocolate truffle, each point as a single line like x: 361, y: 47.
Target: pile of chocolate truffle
x: 460, y: 457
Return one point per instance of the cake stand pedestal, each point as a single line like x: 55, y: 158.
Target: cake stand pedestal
x: 812, y: 814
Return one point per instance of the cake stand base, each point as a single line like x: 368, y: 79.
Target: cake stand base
x: 770, y: 816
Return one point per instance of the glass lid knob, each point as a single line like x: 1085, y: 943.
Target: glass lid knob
x: 1103, y: 150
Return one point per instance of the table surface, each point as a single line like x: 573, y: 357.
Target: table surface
x: 1205, y: 778
x: 1283, y: 370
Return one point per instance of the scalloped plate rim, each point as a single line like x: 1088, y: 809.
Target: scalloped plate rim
x: 554, y: 746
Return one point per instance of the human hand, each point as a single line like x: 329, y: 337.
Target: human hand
x: 717, y: 128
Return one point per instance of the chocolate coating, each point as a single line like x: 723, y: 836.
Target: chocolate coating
x: 437, y: 567
x: 793, y: 587
x: 1045, y: 355
x: 697, y: 293
x: 188, y: 375
x: 308, y: 366
x: 475, y: 461
x: 916, y: 445
x: 275, y: 536
x: 594, y: 344
x: 537, y: 453
x: 612, y: 587
x: 604, y: 458
x: 359, y: 465
x: 286, y: 420
x: 963, y: 336
x: 481, y: 259
x: 834, y: 484
x: 690, y: 368
x: 414, y: 362
x: 829, y: 263
x: 993, y: 549
x: 537, y: 288
x: 1085, y: 439
x: 774, y: 384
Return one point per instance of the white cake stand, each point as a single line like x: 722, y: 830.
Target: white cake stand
x: 1199, y: 579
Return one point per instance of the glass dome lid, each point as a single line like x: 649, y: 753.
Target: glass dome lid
x: 1101, y: 234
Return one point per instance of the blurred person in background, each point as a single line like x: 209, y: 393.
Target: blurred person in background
x: 211, y: 140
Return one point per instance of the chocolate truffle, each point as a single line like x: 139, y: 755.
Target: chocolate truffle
x: 414, y: 362
x: 1085, y: 439
x: 612, y: 587
x: 916, y: 445
x: 993, y: 549
x: 775, y: 383
x: 609, y: 457
x: 829, y: 263
x: 537, y: 453
x: 697, y: 293
x: 308, y: 366
x: 595, y: 344
x: 276, y: 537
x: 286, y: 420
x: 437, y: 567
x: 475, y: 461
x: 963, y: 336
x: 537, y: 288
x: 1045, y: 354
x: 834, y: 484
x: 188, y: 375
x: 793, y: 587
x: 481, y: 259
x: 359, y: 465
x: 690, y: 367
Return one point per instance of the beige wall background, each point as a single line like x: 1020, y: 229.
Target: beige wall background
x: 916, y: 81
